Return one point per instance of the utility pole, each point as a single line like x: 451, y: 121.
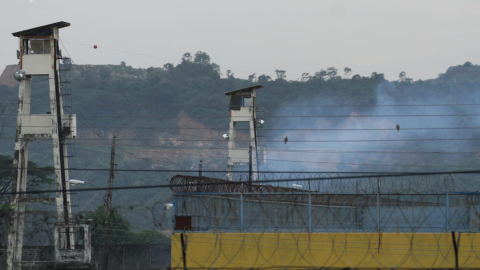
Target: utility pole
x: 109, y: 206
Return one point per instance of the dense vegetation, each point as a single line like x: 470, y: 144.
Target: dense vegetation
x: 142, y: 106
x: 121, y: 231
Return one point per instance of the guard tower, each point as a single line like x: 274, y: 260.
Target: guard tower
x: 39, y: 55
x: 243, y: 109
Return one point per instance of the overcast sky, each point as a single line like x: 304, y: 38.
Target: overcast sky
x: 422, y: 38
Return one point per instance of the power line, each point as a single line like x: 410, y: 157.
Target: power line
x: 374, y: 175
x: 325, y: 151
x: 277, y: 116
x: 261, y: 128
x: 280, y: 140
x: 269, y: 106
x: 302, y: 161
x: 299, y: 141
x: 246, y: 172
x: 336, y: 163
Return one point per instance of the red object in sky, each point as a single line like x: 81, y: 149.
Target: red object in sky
x: 94, y: 46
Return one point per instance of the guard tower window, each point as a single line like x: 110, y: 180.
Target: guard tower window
x: 36, y: 46
x: 246, y: 102
x: 235, y: 103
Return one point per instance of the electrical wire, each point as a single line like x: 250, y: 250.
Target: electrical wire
x: 261, y: 128
x: 272, y: 116
x: 375, y: 175
x: 280, y: 140
x: 271, y: 106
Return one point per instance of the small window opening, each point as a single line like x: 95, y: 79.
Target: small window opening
x: 36, y: 46
x: 235, y: 103
x: 78, y: 237
x: 247, y: 102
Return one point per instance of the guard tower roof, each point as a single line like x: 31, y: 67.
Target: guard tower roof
x: 248, y: 89
x: 41, y: 30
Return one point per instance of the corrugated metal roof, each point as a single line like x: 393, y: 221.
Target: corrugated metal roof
x: 248, y: 89
x: 36, y: 29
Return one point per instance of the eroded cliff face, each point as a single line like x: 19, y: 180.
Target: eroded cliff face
x: 187, y: 144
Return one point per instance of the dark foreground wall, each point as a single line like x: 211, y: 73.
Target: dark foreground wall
x: 120, y: 257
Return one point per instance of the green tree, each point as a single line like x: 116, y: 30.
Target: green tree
x: 264, y: 79
x: 153, y: 76
x: 305, y: 77
x: 281, y: 74
x: 320, y: 75
x: 151, y: 237
x: 402, y: 78
x: 202, y: 58
x: 187, y: 57
x: 168, y: 66
x: 347, y: 71
x: 38, y: 177
x: 332, y: 73
x: 120, y: 230
x: 230, y: 74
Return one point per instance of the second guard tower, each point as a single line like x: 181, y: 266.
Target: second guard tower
x: 243, y: 109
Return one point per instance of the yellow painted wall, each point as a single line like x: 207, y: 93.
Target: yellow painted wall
x: 328, y: 250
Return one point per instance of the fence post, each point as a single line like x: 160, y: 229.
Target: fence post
x: 241, y: 212
x: 378, y: 205
x: 309, y: 212
x: 447, y: 205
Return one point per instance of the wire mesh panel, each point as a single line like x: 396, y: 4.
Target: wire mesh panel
x: 331, y: 212
x: 413, y: 213
x: 337, y: 212
x: 464, y: 213
x: 282, y: 212
x: 210, y: 212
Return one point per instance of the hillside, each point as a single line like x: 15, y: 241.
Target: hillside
x: 6, y: 78
x: 466, y: 73
x: 173, y: 117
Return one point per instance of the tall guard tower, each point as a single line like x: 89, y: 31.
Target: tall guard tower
x: 242, y: 109
x: 39, y: 55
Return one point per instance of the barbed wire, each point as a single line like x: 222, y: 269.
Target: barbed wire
x: 306, y: 182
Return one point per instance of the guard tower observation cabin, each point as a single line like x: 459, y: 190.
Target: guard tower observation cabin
x: 243, y: 109
x: 39, y: 55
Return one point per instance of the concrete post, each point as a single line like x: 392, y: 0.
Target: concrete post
x: 378, y: 205
x: 241, y: 213
x: 447, y: 212
x: 309, y: 212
